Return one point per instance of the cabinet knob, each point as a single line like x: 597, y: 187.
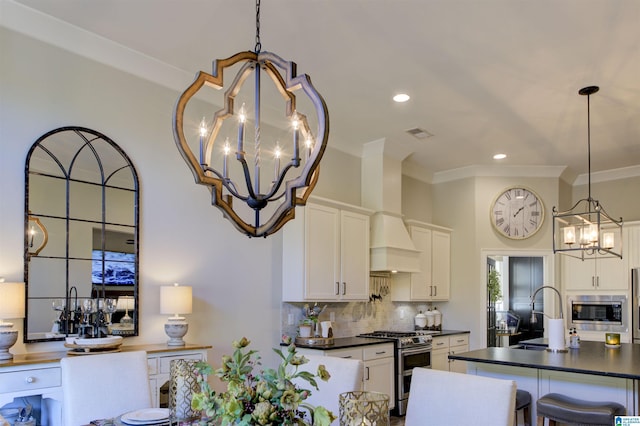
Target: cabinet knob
x: 30, y: 379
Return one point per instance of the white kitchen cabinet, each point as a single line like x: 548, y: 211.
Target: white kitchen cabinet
x: 443, y: 346
x: 632, y: 243
x: 601, y: 274
x: 433, y: 281
x: 378, y: 370
x: 38, y: 375
x: 326, y: 253
x: 441, y: 265
x: 378, y: 364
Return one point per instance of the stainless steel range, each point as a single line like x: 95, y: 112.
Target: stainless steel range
x: 413, y: 349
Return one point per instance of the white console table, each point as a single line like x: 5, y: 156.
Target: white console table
x: 38, y: 375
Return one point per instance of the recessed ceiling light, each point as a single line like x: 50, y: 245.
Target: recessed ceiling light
x: 401, y: 97
x: 499, y: 156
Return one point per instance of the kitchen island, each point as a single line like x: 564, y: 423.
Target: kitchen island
x: 592, y: 372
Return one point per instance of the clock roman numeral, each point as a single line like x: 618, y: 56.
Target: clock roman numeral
x: 507, y: 229
x: 499, y: 221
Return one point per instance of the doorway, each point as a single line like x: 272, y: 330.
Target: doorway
x: 520, y: 274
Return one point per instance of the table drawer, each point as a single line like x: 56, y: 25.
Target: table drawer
x: 165, y: 362
x: 17, y: 381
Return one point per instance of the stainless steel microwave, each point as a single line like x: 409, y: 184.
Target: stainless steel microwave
x: 598, y: 313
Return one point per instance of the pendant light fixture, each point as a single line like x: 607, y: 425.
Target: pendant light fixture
x: 267, y: 190
x: 586, y: 231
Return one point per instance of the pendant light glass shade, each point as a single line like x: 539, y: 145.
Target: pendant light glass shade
x: 586, y: 231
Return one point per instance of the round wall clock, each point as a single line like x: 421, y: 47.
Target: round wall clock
x: 517, y: 213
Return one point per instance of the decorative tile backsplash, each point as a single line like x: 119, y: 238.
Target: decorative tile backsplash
x: 353, y: 318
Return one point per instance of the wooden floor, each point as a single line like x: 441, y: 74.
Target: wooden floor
x: 396, y: 421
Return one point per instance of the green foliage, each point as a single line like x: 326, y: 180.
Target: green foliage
x: 265, y: 398
x: 493, y: 286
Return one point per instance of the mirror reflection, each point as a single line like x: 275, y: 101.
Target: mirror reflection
x: 81, y: 237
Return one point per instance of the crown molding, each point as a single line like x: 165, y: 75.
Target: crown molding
x: 608, y: 175
x: 498, y: 171
x: 22, y: 19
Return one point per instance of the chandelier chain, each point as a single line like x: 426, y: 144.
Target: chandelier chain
x: 258, y: 43
x: 589, y: 144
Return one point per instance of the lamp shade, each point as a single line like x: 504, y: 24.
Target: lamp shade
x: 11, y: 300
x: 175, y: 299
x: 125, y: 303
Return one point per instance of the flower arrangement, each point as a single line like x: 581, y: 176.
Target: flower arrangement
x: 265, y: 398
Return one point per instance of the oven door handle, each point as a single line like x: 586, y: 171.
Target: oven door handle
x: 415, y: 351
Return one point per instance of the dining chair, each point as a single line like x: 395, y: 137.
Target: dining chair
x: 104, y: 386
x: 445, y: 397
x: 346, y: 376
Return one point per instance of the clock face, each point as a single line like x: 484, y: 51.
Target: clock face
x: 517, y: 213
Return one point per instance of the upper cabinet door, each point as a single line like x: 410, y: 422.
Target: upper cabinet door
x: 354, y: 256
x: 322, y: 236
x: 441, y: 267
x: 421, y: 285
x: 326, y: 254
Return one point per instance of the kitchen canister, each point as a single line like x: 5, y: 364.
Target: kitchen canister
x: 430, y: 320
x: 437, y: 319
x: 183, y: 384
x: 420, y: 321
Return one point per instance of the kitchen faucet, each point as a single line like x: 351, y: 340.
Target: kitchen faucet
x: 533, y: 318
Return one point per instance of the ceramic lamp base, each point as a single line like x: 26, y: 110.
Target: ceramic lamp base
x: 176, y: 330
x: 8, y: 337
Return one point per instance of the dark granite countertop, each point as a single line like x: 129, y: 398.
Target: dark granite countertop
x: 591, y: 358
x: 344, y: 342
x: 449, y: 332
x: 350, y: 342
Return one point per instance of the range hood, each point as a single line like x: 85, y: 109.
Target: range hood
x: 391, y: 246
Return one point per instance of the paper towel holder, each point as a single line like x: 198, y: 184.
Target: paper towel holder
x: 556, y: 325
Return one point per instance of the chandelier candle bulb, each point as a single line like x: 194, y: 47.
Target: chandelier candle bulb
x: 607, y: 240
x: 203, y: 132
x: 276, y: 163
x: 296, y: 136
x: 241, y: 120
x: 569, y: 235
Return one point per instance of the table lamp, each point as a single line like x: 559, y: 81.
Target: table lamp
x: 176, y: 300
x: 11, y: 307
x: 124, y: 304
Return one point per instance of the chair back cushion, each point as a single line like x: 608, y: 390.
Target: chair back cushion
x: 346, y: 376
x: 104, y: 386
x: 443, y: 397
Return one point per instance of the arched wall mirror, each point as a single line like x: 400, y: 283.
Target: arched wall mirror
x: 81, y: 237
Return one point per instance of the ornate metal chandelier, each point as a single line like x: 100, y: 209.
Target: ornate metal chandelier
x: 586, y: 231
x: 266, y: 203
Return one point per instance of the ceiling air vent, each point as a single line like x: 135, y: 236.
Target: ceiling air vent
x: 419, y: 133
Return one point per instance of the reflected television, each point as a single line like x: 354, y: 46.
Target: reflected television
x: 119, y: 268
